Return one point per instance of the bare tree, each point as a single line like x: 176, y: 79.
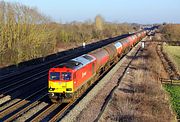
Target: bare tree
x: 23, y: 33
x: 99, y: 21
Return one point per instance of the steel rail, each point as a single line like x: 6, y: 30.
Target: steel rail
x: 19, y: 104
x: 26, y: 108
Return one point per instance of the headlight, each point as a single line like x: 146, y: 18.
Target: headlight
x: 68, y: 89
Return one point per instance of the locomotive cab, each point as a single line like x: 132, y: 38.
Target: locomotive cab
x: 60, y: 83
x: 67, y: 78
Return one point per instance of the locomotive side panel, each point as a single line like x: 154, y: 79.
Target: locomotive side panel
x: 82, y: 75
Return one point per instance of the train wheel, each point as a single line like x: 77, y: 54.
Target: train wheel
x: 54, y: 100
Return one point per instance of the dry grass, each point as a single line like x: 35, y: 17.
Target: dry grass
x: 140, y: 96
x: 173, y: 54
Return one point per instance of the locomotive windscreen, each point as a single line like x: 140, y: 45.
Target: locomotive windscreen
x: 66, y: 75
x: 54, y: 76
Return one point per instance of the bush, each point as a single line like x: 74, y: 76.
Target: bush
x: 171, y: 32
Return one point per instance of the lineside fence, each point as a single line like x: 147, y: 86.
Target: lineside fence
x: 170, y: 81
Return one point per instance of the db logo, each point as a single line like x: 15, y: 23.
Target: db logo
x: 83, y: 74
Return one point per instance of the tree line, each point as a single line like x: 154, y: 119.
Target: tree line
x: 171, y: 32
x: 25, y: 33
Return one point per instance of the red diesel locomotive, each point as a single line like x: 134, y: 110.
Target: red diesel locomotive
x: 71, y: 78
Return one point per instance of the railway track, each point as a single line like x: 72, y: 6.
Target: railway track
x: 17, y: 104
x: 52, y: 112
x: 15, y: 81
x: 13, y: 109
x: 28, y: 88
x: 57, y: 112
x: 33, y: 104
x: 46, y: 112
x: 21, y: 92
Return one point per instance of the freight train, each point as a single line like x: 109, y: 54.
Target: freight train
x: 70, y: 79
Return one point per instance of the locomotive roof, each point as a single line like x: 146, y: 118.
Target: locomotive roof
x: 78, y: 62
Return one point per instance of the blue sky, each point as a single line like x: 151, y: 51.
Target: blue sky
x: 133, y: 11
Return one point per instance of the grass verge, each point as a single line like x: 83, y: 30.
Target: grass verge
x: 174, y: 54
x: 174, y: 92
